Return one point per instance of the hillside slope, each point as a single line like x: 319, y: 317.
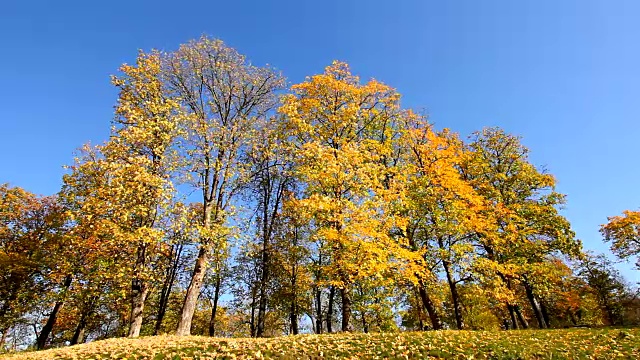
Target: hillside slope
x: 527, y: 344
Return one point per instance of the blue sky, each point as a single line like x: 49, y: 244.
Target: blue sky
x: 565, y: 75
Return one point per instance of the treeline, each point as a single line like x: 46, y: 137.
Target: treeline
x: 225, y: 204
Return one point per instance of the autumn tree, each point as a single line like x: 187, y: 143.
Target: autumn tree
x: 117, y: 192
x: 523, y: 206
x: 606, y: 284
x: 340, y: 129
x: 291, y: 266
x: 624, y: 234
x: 32, y: 235
x: 246, y: 283
x: 271, y: 179
x: 143, y: 133
x: 442, y: 211
x: 221, y: 97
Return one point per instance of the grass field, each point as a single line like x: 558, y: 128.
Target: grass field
x: 526, y: 344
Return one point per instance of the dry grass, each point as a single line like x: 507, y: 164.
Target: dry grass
x: 528, y: 344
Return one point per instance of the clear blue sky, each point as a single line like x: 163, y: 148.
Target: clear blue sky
x: 563, y: 74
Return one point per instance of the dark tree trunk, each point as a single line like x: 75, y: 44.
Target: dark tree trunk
x: 523, y: 321
x: 262, y: 311
x: 512, y: 316
x: 457, y: 305
x: 252, y: 323
x: 545, y: 314
x: 167, y: 285
x: 514, y: 309
x: 436, y: 323
x: 41, y: 342
x: 378, y: 317
x: 572, y: 316
x: 420, y: 309
x: 346, y: 309
x: 365, y: 326
x: 214, y: 308
x: 293, y: 316
x: 318, y: 311
x: 535, y: 306
x: 78, y: 335
x: 332, y: 295
x: 264, y: 278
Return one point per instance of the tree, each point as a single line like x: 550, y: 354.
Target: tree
x: 624, y: 234
x: 32, y: 242
x: 271, y: 180
x: 143, y: 135
x: 442, y: 209
x: 522, y: 205
x: 341, y: 134
x: 607, y: 285
x: 221, y: 96
x: 290, y: 265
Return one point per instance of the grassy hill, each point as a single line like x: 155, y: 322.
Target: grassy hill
x: 526, y: 344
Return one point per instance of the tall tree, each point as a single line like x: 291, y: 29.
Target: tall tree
x: 290, y: 265
x: 442, y: 208
x: 341, y: 132
x: 522, y: 205
x: 143, y: 134
x: 271, y: 179
x: 221, y: 95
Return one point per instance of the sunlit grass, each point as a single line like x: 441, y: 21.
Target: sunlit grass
x: 527, y: 344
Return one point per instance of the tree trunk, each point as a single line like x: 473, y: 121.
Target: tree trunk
x: 610, y: 313
x: 457, y: 305
x: 165, y: 293
x: 572, y: 316
x: 252, y: 324
x: 436, y: 323
x: 293, y: 315
x: 214, y: 310
x: 4, y: 337
x: 193, y: 292
x: 294, y: 298
x: 512, y: 316
x: 78, y: 335
x: 41, y: 342
x: 545, y: 314
x: 137, y: 309
x: 332, y: 296
x: 523, y: 321
x: 46, y: 329
x: 365, y: 326
x: 346, y: 309
x: 318, y: 311
x: 535, y: 306
x: 262, y: 303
